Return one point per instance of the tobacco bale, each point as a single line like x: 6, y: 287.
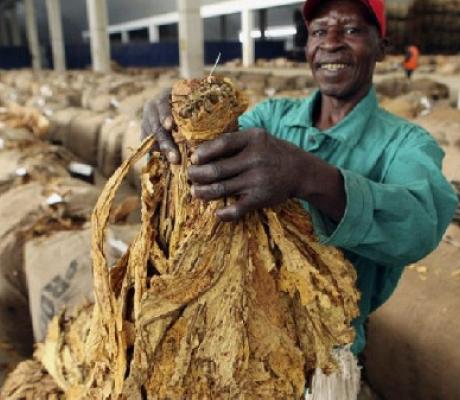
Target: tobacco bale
x: 434, y: 90
x: 31, y: 381
x: 254, y: 83
x: 58, y: 271
x: 14, y: 137
x: 393, y: 87
x: 7, y: 95
x: 28, y: 161
x: 14, y: 312
x: 409, y: 105
x: 133, y: 105
x: 279, y: 83
x: 60, y: 124
x: 83, y: 136
x: 109, y: 156
x: 303, y: 82
x: 100, y: 103
x: 16, y: 116
x: 24, y: 213
x: 131, y: 141
x: 450, y: 68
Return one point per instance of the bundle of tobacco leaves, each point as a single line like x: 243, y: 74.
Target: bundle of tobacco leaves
x: 198, y: 308
x: 16, y: 116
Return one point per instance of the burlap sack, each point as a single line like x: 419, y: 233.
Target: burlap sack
x: 393, y: 87
x: 18, y: 208
x: 133, y: 105
x: 131, y: 141
x: 83, y: 135
x: 110, y: 142
x: 13, y: 137
x: 60, y: 124
x: 434, y: 90
x: 408, y: 105
x: 36, y: 162
x: 279, y: 82
x: 100, y: 103
x: 21, y: 211
x: 58, y: 270
x: 254, y: 83
x: 412, y: 351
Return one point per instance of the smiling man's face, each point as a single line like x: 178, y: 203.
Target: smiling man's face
x: 343, y: 47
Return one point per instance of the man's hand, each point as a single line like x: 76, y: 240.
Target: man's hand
x: 260, y: 171
x: 157, y: 120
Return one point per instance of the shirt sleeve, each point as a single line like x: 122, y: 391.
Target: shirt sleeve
x: 401, y: 219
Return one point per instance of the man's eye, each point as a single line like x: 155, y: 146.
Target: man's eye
x: 319, y: 32
x: 352, y: 30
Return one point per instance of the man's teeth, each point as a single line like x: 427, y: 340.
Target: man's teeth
x: 333, y: 67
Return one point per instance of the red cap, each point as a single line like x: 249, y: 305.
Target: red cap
x: 376, y: 7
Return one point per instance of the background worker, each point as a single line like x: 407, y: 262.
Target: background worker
x: 410, y: 63
x: 371, y: 181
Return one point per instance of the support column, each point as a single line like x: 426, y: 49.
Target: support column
x: 247, y: 25
x: 154, y: 33
x: 191, y: 42
x: 99, y: 36
x: 223, y: 27
x: 262, y: 23
x: 32, y: 34
x: 56, y: 35
x: 16, y: 37
x: 124, y: 37
x: 4, y: 37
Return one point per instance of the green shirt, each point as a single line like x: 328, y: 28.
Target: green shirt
x: 398, y: 202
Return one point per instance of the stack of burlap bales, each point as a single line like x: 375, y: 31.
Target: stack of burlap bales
x: 50, y: 123
x: 95, y: 116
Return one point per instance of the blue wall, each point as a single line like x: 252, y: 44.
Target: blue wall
x: 14, y: 57
x: 141, y: 54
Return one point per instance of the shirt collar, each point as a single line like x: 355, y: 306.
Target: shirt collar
x: 350, y: 129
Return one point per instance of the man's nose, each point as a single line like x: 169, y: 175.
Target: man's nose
x: 333, y: 40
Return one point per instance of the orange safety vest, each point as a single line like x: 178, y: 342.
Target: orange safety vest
x: 412, y: 62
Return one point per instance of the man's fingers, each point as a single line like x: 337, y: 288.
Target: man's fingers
x: 218, y: 190
x: 219, y: 170
x: 167, y: 146
x: 224, y: 146
x: 151, y: 126
x: 146, y: 129
x: 237, y: 210
x: 163, y: 105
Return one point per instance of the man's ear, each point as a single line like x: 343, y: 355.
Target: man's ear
x: 383, y: 45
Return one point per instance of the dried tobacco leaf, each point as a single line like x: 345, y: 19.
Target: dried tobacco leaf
x: 198, y: 308
x: 16, y: 116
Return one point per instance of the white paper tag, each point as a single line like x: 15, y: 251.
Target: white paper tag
x: 119, y: 245
x: 2, y: 144
x: 81, y: 169
x: 54, y: 199
x: 21, y: 171
x: 115, y: 103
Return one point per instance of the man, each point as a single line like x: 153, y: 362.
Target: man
x: 410, y: 63
x: 371, y: 181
